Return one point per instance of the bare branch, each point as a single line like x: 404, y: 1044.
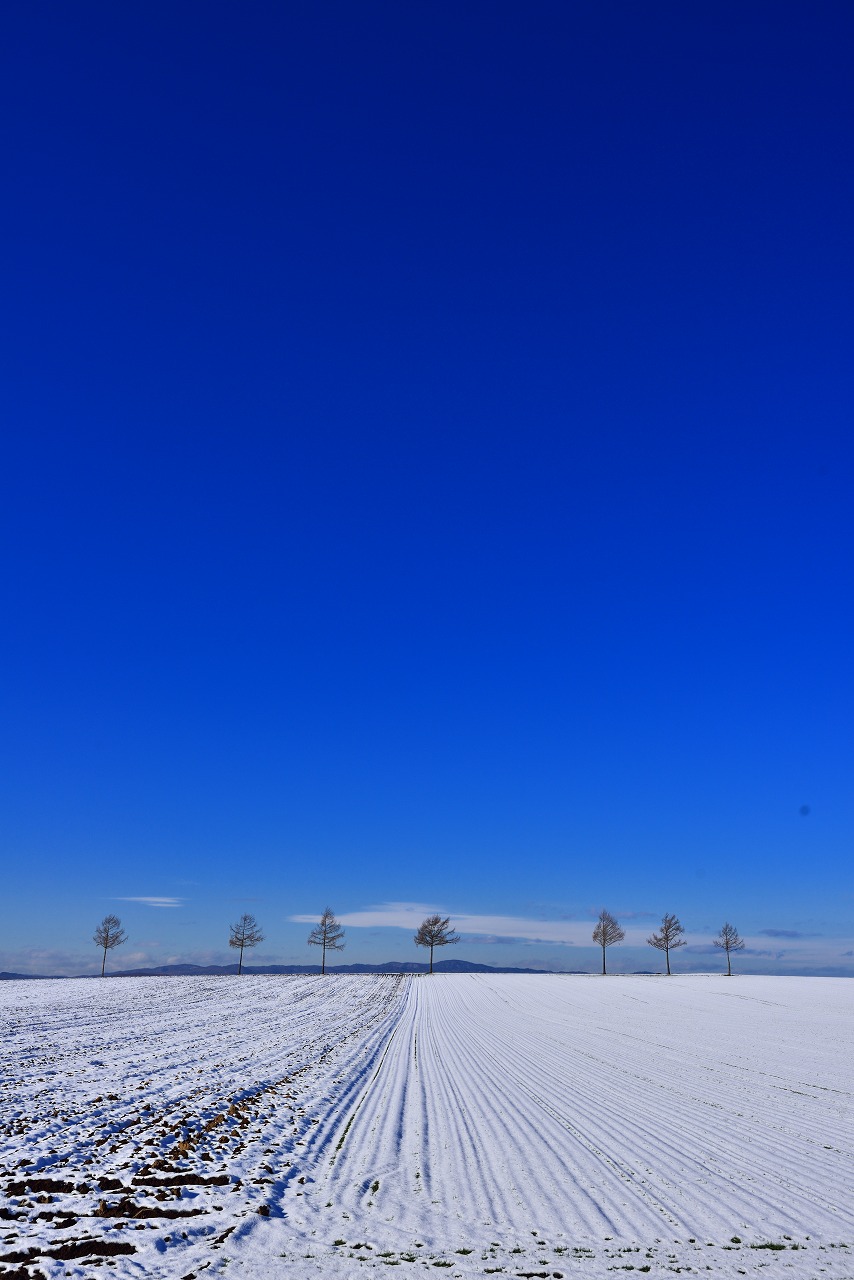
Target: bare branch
x: 607, y: 932
x: 246, y: 933
x: 669, y: 937
x: 108, y: 934
x: 328, y: 934
x: 435, y: 931
x: 729, y: 940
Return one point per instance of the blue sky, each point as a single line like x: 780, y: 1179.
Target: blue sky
x: 426, y: 477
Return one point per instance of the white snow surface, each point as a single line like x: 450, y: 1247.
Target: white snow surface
x: 549, y: 1126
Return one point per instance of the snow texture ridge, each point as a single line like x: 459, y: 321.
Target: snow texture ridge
x: 483, y: 1124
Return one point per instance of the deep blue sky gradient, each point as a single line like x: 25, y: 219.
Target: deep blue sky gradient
x: 426, y: 470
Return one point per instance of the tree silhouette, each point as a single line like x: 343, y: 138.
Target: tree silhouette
x: 328, y: 934
x: 109, y: 934
x: 246, y: 933
x: 669, y: 938
x: 607, y: 932
x: 435, y: 931
x: 728, y: 940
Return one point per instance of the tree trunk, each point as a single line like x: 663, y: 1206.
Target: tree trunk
x: 240, y: 963
x: 667, y: 958
x: 603, y: 957
x: 104, y: 962
x: 431, y: 957
x: 728, y: 965
x: 323, y: 961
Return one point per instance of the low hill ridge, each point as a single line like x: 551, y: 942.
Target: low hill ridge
x: 391, y: 966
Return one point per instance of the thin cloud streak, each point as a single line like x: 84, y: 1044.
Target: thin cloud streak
x: 154, y: 902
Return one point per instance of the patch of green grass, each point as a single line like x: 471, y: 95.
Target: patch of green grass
x: 375, y: 1186
x: 339, y: 1242
x: 463, y: 1251
x: 769, y: 1244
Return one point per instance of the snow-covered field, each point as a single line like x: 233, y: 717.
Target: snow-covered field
x: 548, y: 1126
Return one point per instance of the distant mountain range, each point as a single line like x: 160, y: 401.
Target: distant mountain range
x: 393, y: 966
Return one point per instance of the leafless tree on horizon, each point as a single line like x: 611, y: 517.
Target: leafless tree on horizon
x: 327, y: 934
x: 669, y: 938
x: 109, y: 934
x: 729, y: 940
x: 607, y: 932
x: 246, y: 933
x: 435, y: 931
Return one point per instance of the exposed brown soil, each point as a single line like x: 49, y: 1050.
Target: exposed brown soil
x: 23, y: 1185
x: 71, y: 1249
x: 127, y: 1209
x: 182, y: 1180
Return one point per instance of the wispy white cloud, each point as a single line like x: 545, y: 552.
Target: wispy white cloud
x: 153, y: 901
x: 42, y: 961
x: 45, y: 960
x: 392, y: 915
x: 801, y: 953
x: 408, y: 915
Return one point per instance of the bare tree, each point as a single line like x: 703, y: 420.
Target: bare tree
x: 246, y: 933
x: 729, y: 940
x: 109, y: 934
x: 607, y: 932
x: 328, y: 934
x: 669, y: 938
x: 435, y: 931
